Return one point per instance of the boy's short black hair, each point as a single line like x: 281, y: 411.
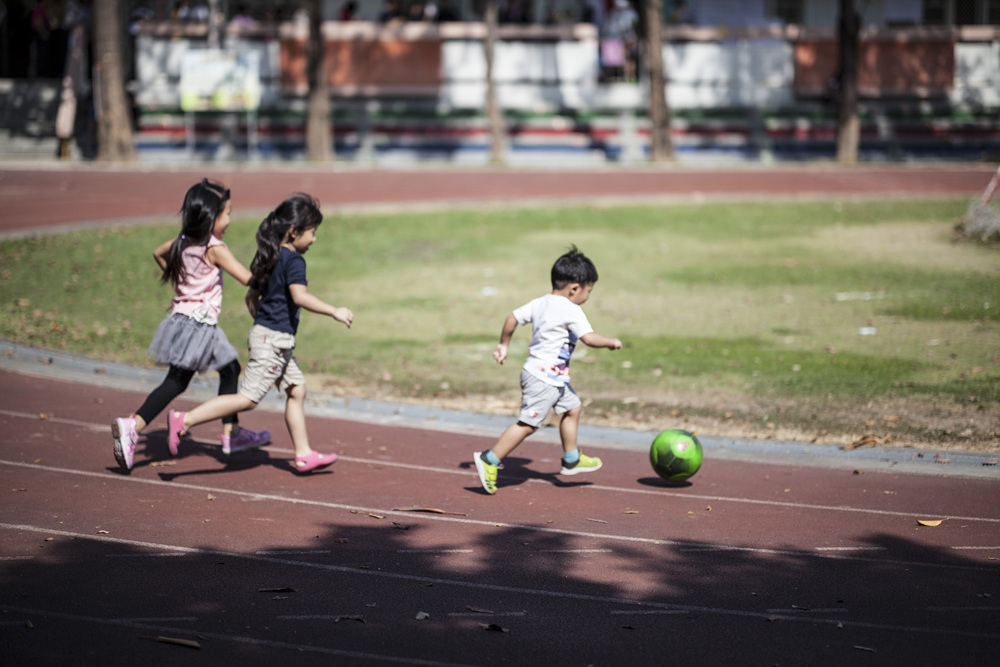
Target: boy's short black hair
x: 573, y: 267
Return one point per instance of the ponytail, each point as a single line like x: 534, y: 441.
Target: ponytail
x: 296, y: 214
x: 203, y: 204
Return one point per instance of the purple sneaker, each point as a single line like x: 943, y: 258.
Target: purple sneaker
x: 175, y: 428
x: 243, y: 439
x: 126, y: 438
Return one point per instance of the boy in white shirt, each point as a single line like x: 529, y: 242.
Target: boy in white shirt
x: 558, y: 322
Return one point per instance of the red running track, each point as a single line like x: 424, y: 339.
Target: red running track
x: 42, y: 197
x: 750, y: 563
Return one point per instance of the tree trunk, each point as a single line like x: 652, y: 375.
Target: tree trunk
x: 114, y: 122
x: 661, y: 143
x: 848, y: 124
x: 319, y: 144
x: 493, y: 112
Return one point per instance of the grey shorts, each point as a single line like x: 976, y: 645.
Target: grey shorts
x: 271, y: 363
x: 538, y: 397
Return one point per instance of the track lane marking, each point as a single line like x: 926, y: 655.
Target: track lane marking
x: 681, y: 545
x: 564, y: 595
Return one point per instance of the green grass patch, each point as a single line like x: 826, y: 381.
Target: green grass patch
x: 818, y: 300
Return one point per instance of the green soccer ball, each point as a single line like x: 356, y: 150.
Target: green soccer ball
x: 676, y: 455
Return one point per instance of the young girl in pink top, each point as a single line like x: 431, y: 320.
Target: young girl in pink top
x: 190, y: 340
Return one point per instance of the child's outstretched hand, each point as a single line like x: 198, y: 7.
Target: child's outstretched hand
x: 500, y: 354
x: 615, y: 344
x: 343, y: 315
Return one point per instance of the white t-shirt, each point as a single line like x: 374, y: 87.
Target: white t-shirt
x: 557, y: 324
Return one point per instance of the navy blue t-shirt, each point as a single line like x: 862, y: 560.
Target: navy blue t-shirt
x: 277, y: 309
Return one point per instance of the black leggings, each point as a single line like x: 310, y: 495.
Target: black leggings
x: 177, y: 381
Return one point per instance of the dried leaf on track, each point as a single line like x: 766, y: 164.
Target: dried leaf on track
x: 401, y: 526
x: 493, y: 627
x: 432, y: 510
x: 479, y: 610
x: 190, y: 643
x: 422, y: 615
x: 864, y: 441
x: 157, y: 464
x: 597, y: 520
x: 930, y: 522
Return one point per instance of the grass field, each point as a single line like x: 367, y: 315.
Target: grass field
x: 826, y: 318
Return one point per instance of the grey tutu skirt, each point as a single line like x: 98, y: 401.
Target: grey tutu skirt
x: 183, y: 342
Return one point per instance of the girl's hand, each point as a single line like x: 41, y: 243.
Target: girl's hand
x: 252, y: 300
x: 343, y: 315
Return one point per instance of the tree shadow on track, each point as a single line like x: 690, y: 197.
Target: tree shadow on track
x: 369, y: 589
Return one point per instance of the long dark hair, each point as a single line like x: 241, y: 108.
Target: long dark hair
x: 203, y: 204
x: 297, y: 213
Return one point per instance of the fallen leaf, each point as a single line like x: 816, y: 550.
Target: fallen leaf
x: 376, y: 516
x: 597, y: 520
x: 190, y: 643
x: 103, y: 532
x: 43, y: 415
x: 422, y: 615
x: 28, y: 624
x: 401, y: 526
x: 865, y: 648
x: 157, y: 464
x: 492, y: 627
x: 864, y: 441
x: 930, y: 522
x: 23, y: 302
x: 630, y: 512
x: 432, y: 510
x: 211, y: 497
x: 480, y: 611
x: 990, y: 463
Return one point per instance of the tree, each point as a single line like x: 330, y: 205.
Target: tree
x: 493, y: 112
x: 848, y: 124
x: 661, y: 143
x: 114, y: 122
x: 319, y: 144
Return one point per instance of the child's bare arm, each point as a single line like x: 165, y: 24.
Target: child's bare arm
x: 594, y: 339
x: 160, y: 254
x: 303, y: 299
x: 223, y: 258
x: 509, y: 326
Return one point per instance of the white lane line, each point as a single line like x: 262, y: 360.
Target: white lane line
x: 850, y: 549
x: 594, y: 487
x: 17, y: 558
x: 289, y: 648
x: 493, y: 524
x: 90, y: 426
x: 986, y: 548
x: 786, y: 610
x: 484, y: 614
x: 575, y: 551
x: 617, y: 490
x: 634, y: 612
x: 962, y: 608
x: 169, y: 554
x: 515, y: 590
x: 165, y: 619
x: 291, y: 552
x: 434, y: 551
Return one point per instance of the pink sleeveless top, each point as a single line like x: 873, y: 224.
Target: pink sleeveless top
x: 199, y: 296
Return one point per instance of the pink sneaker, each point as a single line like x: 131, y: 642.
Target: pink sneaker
x: 314, y: 461
x: 126, y: 438
x: 175, y: 428
x: 243, y: 439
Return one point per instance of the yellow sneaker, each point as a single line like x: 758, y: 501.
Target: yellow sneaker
x: 585, y: 464
x: 487, y: 473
